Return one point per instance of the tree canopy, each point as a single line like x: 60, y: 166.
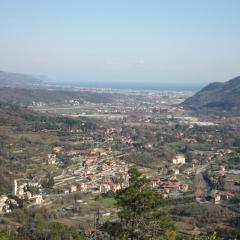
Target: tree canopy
x: 140, y: 214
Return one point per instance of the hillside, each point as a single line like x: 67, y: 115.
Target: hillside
x: 25, y: 97
x: 23, y: 89
x: 26, y: 137
x: 8, y: 79
x: 217, y: 96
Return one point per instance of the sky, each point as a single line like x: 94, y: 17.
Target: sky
x: 122, y: 41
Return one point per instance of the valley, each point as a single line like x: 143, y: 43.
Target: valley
x: 71, y: 158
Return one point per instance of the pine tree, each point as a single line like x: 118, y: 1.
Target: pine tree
x: 140, y: 214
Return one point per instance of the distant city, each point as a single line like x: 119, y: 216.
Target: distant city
x: 181, y: 86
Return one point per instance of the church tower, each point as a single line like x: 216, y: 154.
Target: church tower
x: 15, y: 187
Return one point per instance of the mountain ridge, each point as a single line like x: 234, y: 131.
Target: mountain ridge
x: 19, y: 80
x: 224, y: 96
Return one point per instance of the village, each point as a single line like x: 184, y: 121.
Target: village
x: 102, y: 170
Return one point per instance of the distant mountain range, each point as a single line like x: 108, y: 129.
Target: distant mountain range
x: 17, y: 80
x: 217, y: 96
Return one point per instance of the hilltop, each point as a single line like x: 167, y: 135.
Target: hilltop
x: 217, y: 96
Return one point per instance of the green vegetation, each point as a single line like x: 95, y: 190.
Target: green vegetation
x: 210, y: 237
x: 42, y: 230
x: 140, y: 214
x: 217, y: 96
x: 27, y: 137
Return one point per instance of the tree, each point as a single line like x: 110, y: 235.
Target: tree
x: 51, y: 182
x: 9, y: 235
x: 140, y: 214
x: 199, y: 185
x: 220, y: 183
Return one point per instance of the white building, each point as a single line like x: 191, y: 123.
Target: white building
x: 176, y: 171
x: 15, y: 187
x: 104, y: 188
x: 38, y: 199
x: 51, y: 159
x: 73, y: 188
x: 179, y: 159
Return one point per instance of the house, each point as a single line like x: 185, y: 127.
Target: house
x: 217, y: 199
x: 115, y: 187
x: 222, y: 195
x: 172, y: 186
x: 3, y: 198
x: 83, y: 187
x: 73, y: 188
x: 194, y: 163
x: 179, y: 159
x: 104, y: 188
x: 3, y: 203
x: 126, y: 140
x: 222, y: 168
x: 5, y: 208
x: 37, y: 199
x: 51, y: 159
x: 98, y: 152
x: 184, y: 187
x: 2, y: 206
x: 57, y: 149
x: 176, y: 171
x: 110, y: 131
x: 155, y: 182
x: 90, y: 161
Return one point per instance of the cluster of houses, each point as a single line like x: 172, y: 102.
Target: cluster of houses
x: 23, y: 191
x: 6, y: 204
x: 169, y: 187
x: 100, y: 187
x: 100, y: 174
x: 74, y: 102
x: 97, y: 170
x: 20, y: 192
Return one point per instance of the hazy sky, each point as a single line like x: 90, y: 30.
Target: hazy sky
x: 176, y: 41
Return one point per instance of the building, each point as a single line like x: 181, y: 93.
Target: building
x: 15, y: 187
x: 57, y: 149
x: 115, y: 187
x: 37, y: 199
x: 83, y: 187
x: 176, y: 171
x: 98, y: 152
x: 222, y: 168
x: 179, y: 159
x: 222, y: 195
x: 51, y: 159
x: 73, y: 188
x: 104, y: 188
x: 3, y: 203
